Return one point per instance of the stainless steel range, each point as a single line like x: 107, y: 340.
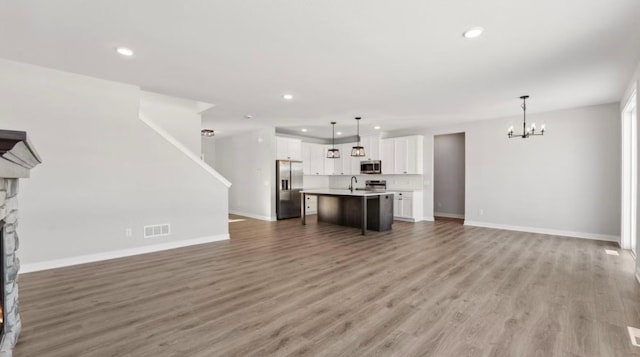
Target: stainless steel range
x: 376, y: 185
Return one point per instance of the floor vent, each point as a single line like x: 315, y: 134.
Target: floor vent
x: 236, y: 220
x: 611, y: 252
x: 157, y: 230
x: 634, y: 334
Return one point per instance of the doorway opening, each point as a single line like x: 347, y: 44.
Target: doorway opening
x: 629, y: 174
x: 449, y: 177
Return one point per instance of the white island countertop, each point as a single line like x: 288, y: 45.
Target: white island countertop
x: 355, y: 193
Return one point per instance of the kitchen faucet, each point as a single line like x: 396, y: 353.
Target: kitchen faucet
x: 351, y: 187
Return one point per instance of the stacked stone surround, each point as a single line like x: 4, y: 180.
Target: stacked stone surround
x: 8, y: 224
x: 17, y: 158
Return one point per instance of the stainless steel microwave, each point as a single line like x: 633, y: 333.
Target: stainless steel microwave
x: 371, y: 167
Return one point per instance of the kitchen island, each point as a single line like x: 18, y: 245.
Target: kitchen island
x: 360, y: 209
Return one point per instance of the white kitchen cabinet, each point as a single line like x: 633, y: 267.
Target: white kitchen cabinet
x: 387, y: 156
x: 306, y: 158
x: 288, y: 148
x: 371, y: 144
x: 344, y: 165
x: 311, y: 205
x: 402, y: 155
x: 355, y: 163
x: 336, y: 167
x: 316, y: 160
x: 328, y: 163
x: 407, y: 206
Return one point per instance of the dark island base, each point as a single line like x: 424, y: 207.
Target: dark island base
x: 347, y: 211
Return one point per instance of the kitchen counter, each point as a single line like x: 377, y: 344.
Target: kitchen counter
x: 355, y: 193
x: 360, y: 209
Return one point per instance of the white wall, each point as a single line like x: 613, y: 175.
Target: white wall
x: 449, y: 175
x: 565, y: 182
x: 104, y: 170
x: 248, y: 160
x: 208, y: 146
x: 179, y: 117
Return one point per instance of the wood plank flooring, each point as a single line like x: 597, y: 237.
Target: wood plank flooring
x: 281, y: 289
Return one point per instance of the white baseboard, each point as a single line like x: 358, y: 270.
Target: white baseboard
x: 405, y: 219
x: 448, y: 215
x: 90, y: 258
x: 555, y: 232
x: 430, y: 219
x: 251, y: 215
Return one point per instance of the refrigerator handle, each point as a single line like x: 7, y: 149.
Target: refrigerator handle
x: 286, y: 182
x: 282, y: 185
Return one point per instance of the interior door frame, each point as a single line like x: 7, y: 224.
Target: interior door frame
x: 629, y: 173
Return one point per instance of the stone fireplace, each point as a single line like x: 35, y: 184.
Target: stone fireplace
x: 17, y: 158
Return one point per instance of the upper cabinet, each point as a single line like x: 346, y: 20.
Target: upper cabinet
x: 371, y: 144
x: 402, y: 155
x: 314, y: 160
x: 398, y: 155
x: 288, y: 148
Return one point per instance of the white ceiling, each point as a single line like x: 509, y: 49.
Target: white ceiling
x: 397, y: 64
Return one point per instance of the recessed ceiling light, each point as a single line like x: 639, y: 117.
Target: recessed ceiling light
x: 248, y: 116
x: 303, y: 130
x: 125, y: 51
x: 338, y: 133
x: 377, y: 127
x: 473, y: 32
x: 288, y: 96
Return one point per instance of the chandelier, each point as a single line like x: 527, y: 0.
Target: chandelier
x: 526, y: 132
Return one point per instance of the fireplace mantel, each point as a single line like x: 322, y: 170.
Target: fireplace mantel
x: 17, y: 155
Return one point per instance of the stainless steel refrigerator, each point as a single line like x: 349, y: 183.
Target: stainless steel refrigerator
x: 288, y: 187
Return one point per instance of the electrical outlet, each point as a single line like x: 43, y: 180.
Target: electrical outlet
x: 128, y: 232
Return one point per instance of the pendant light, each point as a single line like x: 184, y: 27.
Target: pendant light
x: 358, y: 151
x: 333, y: 153
x: 207, y: 132
x: 526, y: 132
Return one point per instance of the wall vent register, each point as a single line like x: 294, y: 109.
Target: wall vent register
x: 157, y: 230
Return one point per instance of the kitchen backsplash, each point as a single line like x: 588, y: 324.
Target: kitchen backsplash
x: 394, y: 182
x: 313, y: 181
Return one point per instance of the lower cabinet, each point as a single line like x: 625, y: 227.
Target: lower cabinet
x: 311, y: 205
x: 407, y: 206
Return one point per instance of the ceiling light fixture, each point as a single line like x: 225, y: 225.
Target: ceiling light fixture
x: 358, y: 150
x: 473, y: 32
x: 304, y: 130
x: 207, y: 132
x: 125, y: 51
x: 287, y: 96
x: 526, y: 132
x: 333, y: 153
x: 248, y: 116
x: 377, y: 127
x: 339, y: 133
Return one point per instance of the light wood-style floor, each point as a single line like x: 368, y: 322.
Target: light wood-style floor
x: 281, y: 289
